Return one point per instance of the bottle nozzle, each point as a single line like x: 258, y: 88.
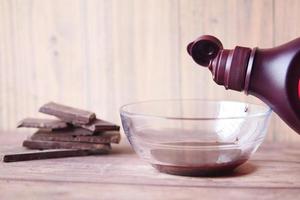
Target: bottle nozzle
x: 204, y: 49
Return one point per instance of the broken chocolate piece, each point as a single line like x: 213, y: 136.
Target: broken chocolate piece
x: 100, y: 125
x: 41, y: 145
x: 70, y: 131
x: 68, y: 114
x: 101, y: 138
x: 42, y: 123
x: 46, y: 154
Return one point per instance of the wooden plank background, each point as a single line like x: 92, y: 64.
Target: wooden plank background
x: 100, y: 54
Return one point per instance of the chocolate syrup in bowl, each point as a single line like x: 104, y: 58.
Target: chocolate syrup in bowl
x: 197, y: 162
x: 183, y: 156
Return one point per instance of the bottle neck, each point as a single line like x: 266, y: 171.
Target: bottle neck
x: 232, y: 68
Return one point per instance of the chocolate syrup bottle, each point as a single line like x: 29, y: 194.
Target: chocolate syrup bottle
x: 272, y: 75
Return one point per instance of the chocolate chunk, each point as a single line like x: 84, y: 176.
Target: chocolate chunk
x: 70, y: 131
x: 101, y: 138
x: 42, y: 123
x: 68, y: 114
x: 46, y: 154
x: 41, y: 145
x: 100, y: 125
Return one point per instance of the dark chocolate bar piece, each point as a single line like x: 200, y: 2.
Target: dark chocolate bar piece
x: 101, y: 138
x: 74, y: 131
x: 68, y: 114
x: 46, y: 154
x: 42, y: 123
x: 99, y: 125
x: 41, y: 145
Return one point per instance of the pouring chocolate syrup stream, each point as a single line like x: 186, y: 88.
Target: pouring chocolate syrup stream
x: 272, y: 75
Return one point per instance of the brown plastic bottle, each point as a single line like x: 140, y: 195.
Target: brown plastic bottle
x: 272, y: 75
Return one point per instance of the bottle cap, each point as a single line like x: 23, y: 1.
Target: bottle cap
x: 228, y: 67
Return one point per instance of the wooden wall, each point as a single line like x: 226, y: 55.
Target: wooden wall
x: 100, y: 54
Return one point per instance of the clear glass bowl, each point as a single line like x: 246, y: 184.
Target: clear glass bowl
x: 195, y: 137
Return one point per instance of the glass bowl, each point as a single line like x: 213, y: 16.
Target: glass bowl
x: 195, y: 137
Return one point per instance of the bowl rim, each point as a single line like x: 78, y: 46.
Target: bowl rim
x: 265, y: 113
